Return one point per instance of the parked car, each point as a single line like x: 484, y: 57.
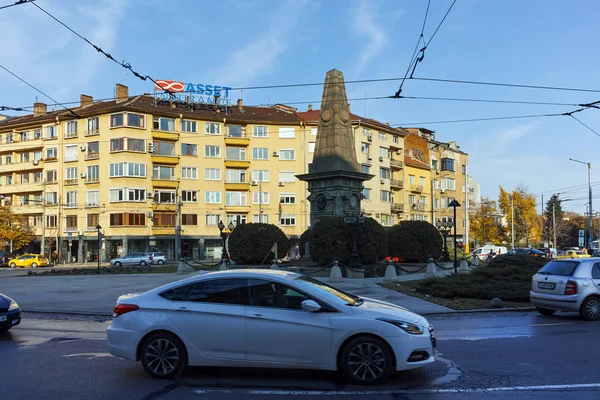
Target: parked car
x: 264, y: 318
x: 550, y: 252
x: 4, y: 257
x: 142, y: 259
x: 485, y: 251
x: 28, y: 260
x: 10, y: 313
x: 574, y: 254
x: 524, y: 251
x: 568, y: 285
x: 158, y: 257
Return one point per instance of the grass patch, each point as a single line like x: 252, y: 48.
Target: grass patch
x: 508, y: 278
x: 163, y: 269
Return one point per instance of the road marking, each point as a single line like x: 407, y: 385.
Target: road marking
x: 90, y: 356
x: 266, y: 392
x: 555, y: 324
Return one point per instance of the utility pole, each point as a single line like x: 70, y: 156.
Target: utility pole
x: 178, y: 230
x: 591, y: 221
x: 553, y: 226
x: 43, y: 245
x: 260, y: 197
x: 512, y: 220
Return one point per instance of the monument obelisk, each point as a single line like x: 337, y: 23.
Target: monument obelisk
x: 334, y: 177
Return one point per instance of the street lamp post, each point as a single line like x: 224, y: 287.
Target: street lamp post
x: 98, y: 227
x: 444, y: 227
x: 224, y: 235
x: 591, y: 223
x: 454, y: 204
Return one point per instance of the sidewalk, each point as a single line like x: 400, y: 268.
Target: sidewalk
x: 94, y: 294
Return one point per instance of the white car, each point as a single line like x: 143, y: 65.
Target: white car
x: 264, y: 318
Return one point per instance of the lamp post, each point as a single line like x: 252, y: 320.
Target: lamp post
x: 224, y: 235
x: 591, y: 223
x: 444, y: 227
x: 454, y: 204
x: 99, y: 228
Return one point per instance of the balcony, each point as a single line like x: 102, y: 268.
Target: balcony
x: 92, y: 179
x: 398, y: 207
x: 237, y: 185
x: 164, y: 183
x: 396, y: 164
x: 418, y: 207
x: 164, y: 159
x: 396, y: 145
x: 92, y: 156
x: 230, y: 163
x: 237, y: 209
x: 70, y: 135
x: 92, y: 132
x: 416, y: 188
x: 165, y: 135
x: 69, y: 182
x: 237, y: 139
x: 164, y: 207
x: 21, y: 166
x: 396, y: 183
x: 92, y: 204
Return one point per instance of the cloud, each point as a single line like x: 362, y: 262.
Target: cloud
x: 496, y: 143
x: 366, y: 26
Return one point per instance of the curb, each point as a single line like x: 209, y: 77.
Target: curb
x: 481, y: 310
x: 86, y: 313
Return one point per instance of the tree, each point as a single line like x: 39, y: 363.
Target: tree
x: 12, y: 229
x: 251, y: 243
x: 557, y: 229
x: 484, y: 224
x: 415, y: 241
x: 528, y: 224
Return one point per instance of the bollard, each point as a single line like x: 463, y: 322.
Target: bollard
x: 336, y: 273
x: 183, y: 268
x: 463, y: 267
x: 431, y: 269
x: 390, y: 272
x: 223, y: 266
x: 475, y: 261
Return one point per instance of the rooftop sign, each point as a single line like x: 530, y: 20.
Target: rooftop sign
x: 192, y: 92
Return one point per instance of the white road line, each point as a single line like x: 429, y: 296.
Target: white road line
x: 555, y: 324
x: 266, y: 392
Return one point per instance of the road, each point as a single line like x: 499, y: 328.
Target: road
x: 480, y: 356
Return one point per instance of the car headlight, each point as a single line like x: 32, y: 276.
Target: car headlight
x: 405, y: 326
x: 13, y: 305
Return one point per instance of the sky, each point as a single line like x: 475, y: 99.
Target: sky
x: 245, y: 43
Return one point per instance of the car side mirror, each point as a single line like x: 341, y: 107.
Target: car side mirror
x: 311, y: 306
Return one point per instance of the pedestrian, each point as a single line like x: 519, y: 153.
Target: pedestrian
x: 491, y: 255
x: 297, y: 251
x: 54, y: 257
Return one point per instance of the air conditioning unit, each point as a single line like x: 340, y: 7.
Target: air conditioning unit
x: 36, y: 162
x: 254, y: 183
x: 442, y: 190
x: 149, y: 195
x: 150, y: 215
x: 82, y: 148
x: 83, y: 175
x: 380, y: 158
x: 275, y: 154
x: 382, y: 181
x: 369, y: 157
x: 437, y: 172
x: 281, y: 184
x: 399, y: 151
x: 370, y: 138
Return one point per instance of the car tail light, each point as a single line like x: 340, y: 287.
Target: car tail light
x: 150, y: 258
x: 571, y: 287
x: 121, y: 309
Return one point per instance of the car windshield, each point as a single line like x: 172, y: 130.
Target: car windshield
x: 561, y: 268
x: 345, y: 297
x: 581, y: 253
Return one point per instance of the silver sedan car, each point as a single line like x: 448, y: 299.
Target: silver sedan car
x: 568, y: 285
x: 141, y: 259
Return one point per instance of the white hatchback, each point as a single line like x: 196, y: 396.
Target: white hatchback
x: 264, y: 318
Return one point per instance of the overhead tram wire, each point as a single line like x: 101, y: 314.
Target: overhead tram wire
x: 18, y: 3
x: 582, y: 123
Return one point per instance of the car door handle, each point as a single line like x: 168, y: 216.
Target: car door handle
x: 255, y: 316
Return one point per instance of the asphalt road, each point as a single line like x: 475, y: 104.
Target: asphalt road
x: 481, y: 356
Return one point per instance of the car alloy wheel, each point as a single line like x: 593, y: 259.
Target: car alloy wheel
x: 33, y: 265
x: 143, y: 263
x: 590, y: 309
x: 366, y: 361
x: 117, y: 264
x: 163, y: 355
x: 13, y: 265
x: 160, y: 262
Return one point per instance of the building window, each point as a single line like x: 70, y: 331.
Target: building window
x: 137, y: 170
x: 164, y: 196
x: 51, y: 176
x: 386, y: 220
x: 92, y: 221
x: 189, y: 219
x: 411, y: 179
x: 256, y: 198
x: 313, y: 131
x: 311, y: 147
x: 260, y: 175
x: 448, y: 184
x: 212, y: 151
x: 386, y: 196
x: 189, y: 196
x: 70, y: 129
x: 189, y: 173
x: 464, y: 188
x: 8, y: 159
x: 382, y: 136
x: 212, y: 174
x: 164, y: 148
x: 234, y: 175
x: 384, y: 152
x: 287, y: 176
x: 128, y: 144
x: 164, y: 220
x: 189, y: 149
x: 256, y: 218
x: 92, y: 151
x: 71, y: 199
x: 50, y: 154
x: 37, y: 134
x: 51, y: 221
x: 287, y: 198
x: 131, y: 119
x: 434, y: 164
x: 212, y: 128
x: 24, y: 201
x: 162, y: 172
x: 260, y: 153
x: 9, y: 179
x: 287, y: 155
x: 50, y: 133
x: 24, y: 157
x: 287, y: 133
x: 235, y: 199
x: 365, y: 148
x: 396, y: 139
x: 260, y: 131
x: 92, y: 198
x: 37, y: 177
x: 366, y: 131
x: 163, y: 124
x: 212, y: 219
x: 235, y: 153
x: 71, y: 223
x: 385, y: 173
x: 366, y: 169
x: 93, y: 174
x: 117, y: 144
x: 287, y: 220
x: 235, y: 219
x: 92, y: 126
x: 71, y: 153
x: 235, y: 131
x: 367, y: 193
x: 51, y: 198
x: 128, y: 219
x: 447, y: 164
x: 464, y: 169
x: 189, y: 126
x: 71, y: 174
x: 24, y: 178
x: 212, y: 197
x: 422, y: 181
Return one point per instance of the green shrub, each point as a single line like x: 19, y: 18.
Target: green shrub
x: 371, y: 241
x: 415, y: 241
x: 250, y: 243
x: 304, y: 238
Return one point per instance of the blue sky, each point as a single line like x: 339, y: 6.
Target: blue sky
x: 263, y: 42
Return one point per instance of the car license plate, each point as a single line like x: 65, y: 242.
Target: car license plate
x: 546, y: 285
x: 2, y: 318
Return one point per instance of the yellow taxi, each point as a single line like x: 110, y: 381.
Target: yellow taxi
x: 28, y: 260
x: 574, y: 254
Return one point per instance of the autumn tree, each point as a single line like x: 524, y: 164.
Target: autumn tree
x: 556, y: 227
x: 484, y: 223
x: 528, y: 224
x: 13, y: 229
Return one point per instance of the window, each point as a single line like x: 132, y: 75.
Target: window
x: 235, y: 153
x: 235, y: 219
x: 71, y: 153
x: 396, y: 139
x: 71, y: 223
x: 212, y: 220
x: 260, y: 131
x: 116, y: 120
x: 117, y: 144
x: 212, y: 128
x: 447, y: 164
x: 385, y: 173
x: 51, y: 221
x: 127, y: 194
x: 260, y: 219
x: 164, y: 220
x: 287, y: 133
x: 127, y: 169
x: 52, y: 198
x: 127, y: 219
x: 313, y: 131
x: 70, y: 129
x: 448, y: 184
x: 256, y: 197
x: 131, y: 119
x: 412, y: 199
x: 287, y: 198
x: 135, y: 120
x: 311, y: 147
x: 71, y: 173
x: 233, y: 175
x: 93, y: 150
x: 9, y: 179
x: 219, y: 291
x: 189, y: 173
x: 274, y: 295
x: 50, y: 133
x: 92, y: 198
x: 260, y: 153
x: 411, y: 179
x: 366, y: 131
x: 382, y: 136
x: 189, y: 196
x: 8, y: 159
x: 386, y: 196
x: 189, y: 219
x: 464, y: 188
x: 367, y: 193
x: 24, y: 157
x: 596, y: 271
x: 423, y: 200
x: 189, y: 126
x: 212, y: 174
x: 365, y: 148
x: 136, y: 194
x: 92, y: 221
x: 37, y: 134
x: 287, y: 176
x: 189, y: 149
x: 164, y: 148
x: 235, y: 199
x: 287, y: 155
x: 24, y: 178
x: 366, y: 169
x: 259, y: 175
x: 212, y: 197
x: 128, y: 144
x: 384, y: 152
x: 37, y: 155
x: 434, y: 164
x: 436, y: 183
x: 164, y: 196
x: 24, y: 200
x: 51, y: 176
x: 92, y: 126
x: 212, y: 151
x: 71, y: 199
x: 287, y: 220
x: 163, y: 172
x: 235, y: 131
x: 386, y: 220
x: 464, y: 169
x: 93, y: 174
x: 163, y: 124
x: 37, y: 177
x: 9, y: 138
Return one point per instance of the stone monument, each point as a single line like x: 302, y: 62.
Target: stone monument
x: 334, y: 177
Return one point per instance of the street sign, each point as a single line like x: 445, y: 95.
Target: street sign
x: 350, y: 220
x: 70, y: 238
x: 581, y: 233
x: 361, y: 220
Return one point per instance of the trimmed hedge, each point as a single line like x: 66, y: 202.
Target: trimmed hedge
x: 250, y: 243
x: 415, y: 241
